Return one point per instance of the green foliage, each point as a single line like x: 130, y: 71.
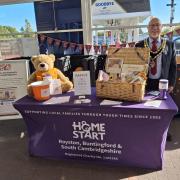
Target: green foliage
x: 27, y: 29
x: 169, y: 29
x: 8, y: 32
x: 165, y: 30
x: 4, y: 30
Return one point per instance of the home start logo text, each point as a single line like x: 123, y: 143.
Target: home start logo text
x: 83, y: 130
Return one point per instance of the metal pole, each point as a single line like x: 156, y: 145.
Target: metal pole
x: 54, y: 16
x: 172, y: 14
x: 172, y: 11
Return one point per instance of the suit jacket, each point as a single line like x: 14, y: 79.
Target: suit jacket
x: 169, y: 65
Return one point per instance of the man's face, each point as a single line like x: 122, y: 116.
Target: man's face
x: 154, y: 28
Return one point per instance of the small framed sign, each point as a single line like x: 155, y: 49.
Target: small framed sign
x: 114, y: 65
x: 13, y: 84
x: 82, y: 84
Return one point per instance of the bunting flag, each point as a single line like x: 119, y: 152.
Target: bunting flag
x: 57, y: 42
x: 65, y: 44
x: 178, y: 31
x: 118, y: 44
x: 88, y: 48
x: 96, y: 49
x: 81, y: 47
x: 169, y: 34
x: 73, y: 46
x: 42, y: 37
x: 103, y: 49
x: 112, y: 45
x: 131, y: 44
x: 50, y: 40
x: 123, y: 45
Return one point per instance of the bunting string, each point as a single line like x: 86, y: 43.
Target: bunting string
x: 97, y: 49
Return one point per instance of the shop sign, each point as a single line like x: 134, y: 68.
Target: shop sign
x: 104, y: 4
x: 106, y: 7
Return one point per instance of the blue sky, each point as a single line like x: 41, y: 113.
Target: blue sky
x: 15, y: 15
x: 159, y: 9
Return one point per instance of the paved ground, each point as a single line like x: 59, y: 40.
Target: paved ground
x: 16, y: 164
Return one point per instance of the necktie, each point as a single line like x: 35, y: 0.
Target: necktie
x: 154, y: 61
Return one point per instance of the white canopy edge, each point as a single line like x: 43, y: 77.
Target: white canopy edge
x: 128, y: 27
x: 122, y: 15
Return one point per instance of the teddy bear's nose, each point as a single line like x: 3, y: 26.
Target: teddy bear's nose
x: 42, y: 65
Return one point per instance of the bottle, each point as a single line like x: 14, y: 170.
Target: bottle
x: 163, y: 88
x: 48, y: 79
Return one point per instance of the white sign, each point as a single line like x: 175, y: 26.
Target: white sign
x: 82, y: 85
x: 100, y: 7
x: 13, y: 84
x: 114, y: 65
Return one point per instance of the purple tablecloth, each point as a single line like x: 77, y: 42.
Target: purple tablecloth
x: 129, y: 134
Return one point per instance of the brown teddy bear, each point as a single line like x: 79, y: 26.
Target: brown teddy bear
x: 44, y: 66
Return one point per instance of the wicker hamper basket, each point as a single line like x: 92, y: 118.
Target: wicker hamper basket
x: 120, y: 91
x: 123, y: 90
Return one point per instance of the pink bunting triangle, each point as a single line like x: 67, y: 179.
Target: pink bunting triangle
x: 103, y: 49
x: 42, y: 37
x: 96, y: 49
x: 65, y: 44
x: 57, y: 42
x: 88, y: 48
x: 81, y: 47
x: 50, y: 40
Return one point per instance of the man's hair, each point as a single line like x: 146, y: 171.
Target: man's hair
x: 154, y: 18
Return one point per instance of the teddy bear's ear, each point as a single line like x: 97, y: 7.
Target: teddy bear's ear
x: 52, y: 57
x: 33, y: 58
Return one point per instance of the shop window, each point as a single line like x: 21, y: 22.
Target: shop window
x: 60, y: 16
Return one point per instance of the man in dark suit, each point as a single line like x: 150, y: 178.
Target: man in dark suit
x: 162, y: 63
